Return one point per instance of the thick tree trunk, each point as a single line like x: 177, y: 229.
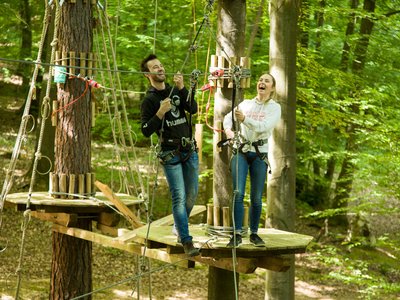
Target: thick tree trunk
x: 231, y: 37
x: 282, y: 152
x: 72, y: 258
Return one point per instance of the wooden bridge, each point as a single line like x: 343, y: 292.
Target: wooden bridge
x: 156, y: 240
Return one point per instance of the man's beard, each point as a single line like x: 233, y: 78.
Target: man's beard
x: 159, y: 78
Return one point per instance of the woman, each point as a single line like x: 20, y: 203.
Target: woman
x: 256, y: 119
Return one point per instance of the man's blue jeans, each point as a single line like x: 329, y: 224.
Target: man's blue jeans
x: 183, y: 181
x: 241, y: 164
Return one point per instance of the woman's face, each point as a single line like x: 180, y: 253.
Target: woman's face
x: 265, y: 86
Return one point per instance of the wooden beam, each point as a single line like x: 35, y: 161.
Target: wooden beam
x: 135, y: 222
x: 279, y: 263
x: 159, y: 254
x: 58, y: 218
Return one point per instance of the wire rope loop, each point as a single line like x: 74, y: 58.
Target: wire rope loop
x: 133, y: 133
x: 45, y: 105
x: 39, y: 156
x: 27, y: 118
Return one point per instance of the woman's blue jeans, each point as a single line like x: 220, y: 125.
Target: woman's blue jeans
x: 183, y: 181
x: 241, y: 165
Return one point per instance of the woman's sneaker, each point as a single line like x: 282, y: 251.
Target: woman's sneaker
x: 235, y: 241
x: 256, y: 240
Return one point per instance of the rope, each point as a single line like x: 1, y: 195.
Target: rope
x: 45, y: 115
x: 116, y: 109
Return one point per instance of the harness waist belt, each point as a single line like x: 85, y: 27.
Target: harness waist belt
x: 259, y: 142
x: 184, y: 141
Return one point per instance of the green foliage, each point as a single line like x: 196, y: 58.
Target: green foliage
x: 373, y: 273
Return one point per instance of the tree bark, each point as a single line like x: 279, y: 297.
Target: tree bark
x: 231, y: 38
x: 72, y: 257
x: 282, y: 152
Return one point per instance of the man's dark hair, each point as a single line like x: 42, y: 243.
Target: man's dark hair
x: 143, y: 65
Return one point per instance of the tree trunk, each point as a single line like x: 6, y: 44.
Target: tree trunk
x: 282, y: 153
x: 345, y: 179
x: 231, y: 37
x: 72, y: 258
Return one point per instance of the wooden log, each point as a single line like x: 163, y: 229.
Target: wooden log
x: 135, y: 222
x: 81, y: 185
x: 54, y: 185
x: 88, y: 184
x: 199, y: 140
x: 72, y: 62
x: 82, y: 70
x: 217, y: 216
x: 244, y: 63
x: 232, y: 64
x: 93, y: 184
x: 63, y: 185
x: 90, y: 64
x: 72, y: 185
x: 54, y: 116
x: 221, y: 65
x: 226, y: 218
x: 210, y: 214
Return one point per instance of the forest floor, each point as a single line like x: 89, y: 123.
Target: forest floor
x: 114, y: 271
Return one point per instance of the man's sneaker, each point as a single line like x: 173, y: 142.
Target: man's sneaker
x: 190, y: 249
x: 235, y: 241
x: 256, y: 240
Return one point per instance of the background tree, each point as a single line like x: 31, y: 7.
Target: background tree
x: 230, y: 37
x: 71, y: 273
x: 281, y: 182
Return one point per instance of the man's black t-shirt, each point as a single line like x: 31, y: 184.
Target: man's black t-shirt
x: 175, y: 124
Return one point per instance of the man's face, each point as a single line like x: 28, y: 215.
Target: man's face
x: 157, y: 68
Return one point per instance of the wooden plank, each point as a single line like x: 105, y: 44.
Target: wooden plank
x: 169, y: 220
x: 135, y: 222
x: 108, y: 230
x: 58, y: 218
x: 159, y: 254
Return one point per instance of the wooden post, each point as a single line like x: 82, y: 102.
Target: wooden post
x: 72, y: 62
x: 88, y: 184
x: 72, y: 185
x: 63, y: 185
x: 81, y: 185
x: 226, y: 218
x: 83, y: 64
x: 199, y: 140
x: 217, y: 216
x: 210, y: 214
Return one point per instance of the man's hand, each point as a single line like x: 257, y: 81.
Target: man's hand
x: 165, y: 106
x: 178, y: 80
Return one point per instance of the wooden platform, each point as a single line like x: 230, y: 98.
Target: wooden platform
x: 46, y: 203
x: 157, y: 240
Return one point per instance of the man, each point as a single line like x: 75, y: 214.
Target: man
x: 163, y: 112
